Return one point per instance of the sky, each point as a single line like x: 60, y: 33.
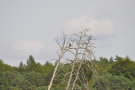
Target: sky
x: 30, y: 27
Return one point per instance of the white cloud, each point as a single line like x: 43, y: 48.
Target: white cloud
x: 97, y: 26
x: 28, y: 47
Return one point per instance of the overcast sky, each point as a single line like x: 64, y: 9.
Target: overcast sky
x: 29, y: 27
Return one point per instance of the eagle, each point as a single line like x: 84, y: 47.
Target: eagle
x: 70, y: 45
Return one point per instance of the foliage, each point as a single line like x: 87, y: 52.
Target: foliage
x: 123, y: 66
x: 104, y: 64
x: 118, y: 74
x: 110, y: 82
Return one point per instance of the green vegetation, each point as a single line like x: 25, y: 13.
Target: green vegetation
x: 114, y: 74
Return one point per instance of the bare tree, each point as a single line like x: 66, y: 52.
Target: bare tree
x: 64, y: 47
x: 83, y: 51
x: 81, y: 47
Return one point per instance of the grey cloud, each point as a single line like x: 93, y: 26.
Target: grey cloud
x: 44, y: 20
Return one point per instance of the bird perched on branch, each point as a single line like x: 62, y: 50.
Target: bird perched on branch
x: 70, y: 45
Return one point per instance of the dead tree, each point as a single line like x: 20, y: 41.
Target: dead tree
x: 64, y: 47
x: 82, y: 51
x: 81, y: 47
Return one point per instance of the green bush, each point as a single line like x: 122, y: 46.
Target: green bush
x: 113, y: 82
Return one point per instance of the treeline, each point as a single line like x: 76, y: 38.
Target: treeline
x: 113, y: 74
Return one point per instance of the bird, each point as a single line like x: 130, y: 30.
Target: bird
x: 70, y: 45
